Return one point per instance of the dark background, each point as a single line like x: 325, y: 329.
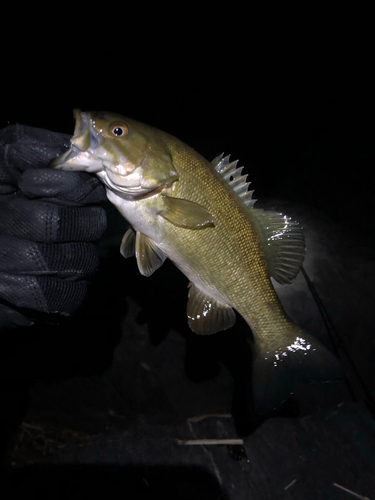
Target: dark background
x: 301, y: 121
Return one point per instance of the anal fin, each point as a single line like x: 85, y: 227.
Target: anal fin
x: 206, y: 315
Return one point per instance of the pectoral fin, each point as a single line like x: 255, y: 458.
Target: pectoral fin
x: 206, y: 315
x: 148, y: 254
x: 184, y: 213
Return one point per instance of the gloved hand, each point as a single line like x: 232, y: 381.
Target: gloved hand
x: 49, y: 223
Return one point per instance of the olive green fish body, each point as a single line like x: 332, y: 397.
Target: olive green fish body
x: 201, y: 216
x: 226, y: 261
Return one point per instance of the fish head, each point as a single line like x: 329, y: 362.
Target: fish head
x: 128, y: 156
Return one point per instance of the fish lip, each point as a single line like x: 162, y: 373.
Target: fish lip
x: 76, y: 158
x: 67, y: 157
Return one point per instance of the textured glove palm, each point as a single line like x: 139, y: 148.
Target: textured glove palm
x: 49, y: 222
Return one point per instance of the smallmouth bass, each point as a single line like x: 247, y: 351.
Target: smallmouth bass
x: 201, y: 216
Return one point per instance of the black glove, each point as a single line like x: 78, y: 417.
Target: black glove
x: 48, y: 226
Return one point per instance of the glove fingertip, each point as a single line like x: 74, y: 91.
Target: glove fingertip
x: 69, y: 187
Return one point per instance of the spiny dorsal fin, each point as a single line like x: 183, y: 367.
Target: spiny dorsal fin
x: 283, y: 240
x: 232, y: 174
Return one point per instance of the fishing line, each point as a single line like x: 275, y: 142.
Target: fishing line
x: 335, y: 337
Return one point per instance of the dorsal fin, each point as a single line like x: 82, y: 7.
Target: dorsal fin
x: 283, y: 243
x: 283, y: 240
x: 232, y: 174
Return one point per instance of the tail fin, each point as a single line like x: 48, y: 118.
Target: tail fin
x: 299, y: 359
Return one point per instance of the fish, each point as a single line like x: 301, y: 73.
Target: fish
x: 201, y: 216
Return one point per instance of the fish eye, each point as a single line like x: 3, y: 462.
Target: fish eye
x: 119, y: 130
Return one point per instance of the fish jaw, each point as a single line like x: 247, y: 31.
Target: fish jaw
x: 81, y: 156
x: 133, y: 167
x: 75, y: 159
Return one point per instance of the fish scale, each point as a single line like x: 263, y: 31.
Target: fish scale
x: 245, y: 269
x: 201, y: 216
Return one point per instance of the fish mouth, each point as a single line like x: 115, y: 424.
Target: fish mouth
x: 81, y: 155
x: 87, y: 153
